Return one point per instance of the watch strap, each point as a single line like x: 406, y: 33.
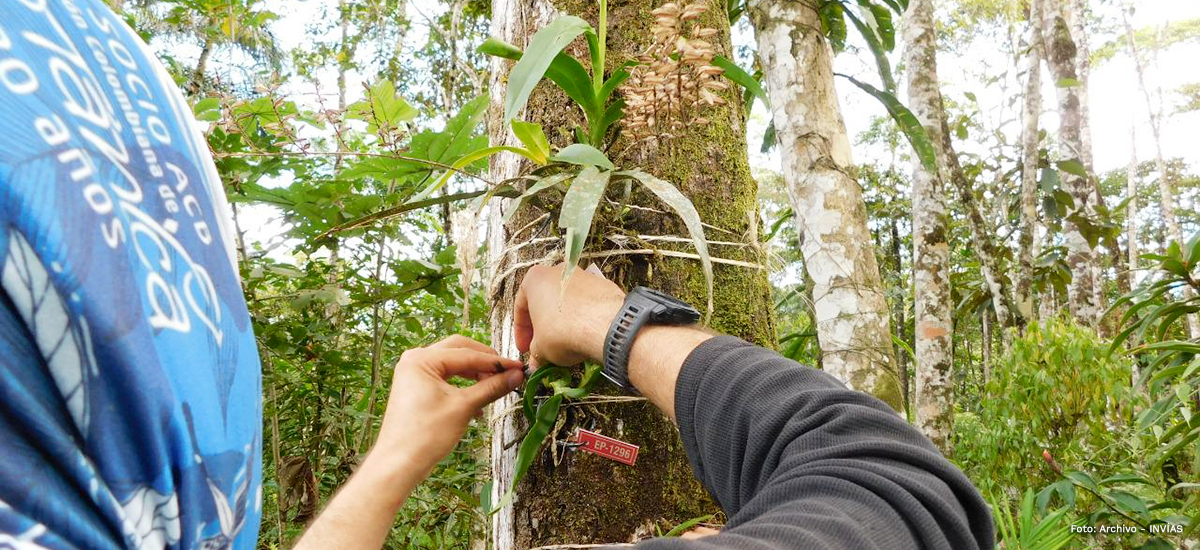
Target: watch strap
x: 634, y: 314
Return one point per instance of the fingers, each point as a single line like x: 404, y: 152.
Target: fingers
x: 535, y: 358
x: 469, y: 363
x: 699, y: 532
x: 460, y: 341
x: 522, y: 322
x: 493, y: 388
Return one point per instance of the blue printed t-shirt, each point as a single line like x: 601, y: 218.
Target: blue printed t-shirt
x: 130, y: 389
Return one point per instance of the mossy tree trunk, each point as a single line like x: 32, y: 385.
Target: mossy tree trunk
x: 1031, y: 111
x: 931, y: 250
x: 577, y: 498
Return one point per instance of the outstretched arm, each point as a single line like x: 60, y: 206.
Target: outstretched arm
x: 425, y: 417
x: 795, y: 459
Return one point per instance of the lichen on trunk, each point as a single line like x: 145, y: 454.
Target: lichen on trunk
x: 851, y: 311
x: 1061, y: 51
x: 581, y: 498
x: 931, y: 249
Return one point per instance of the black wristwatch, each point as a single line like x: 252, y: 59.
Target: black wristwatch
x: 642, y: 305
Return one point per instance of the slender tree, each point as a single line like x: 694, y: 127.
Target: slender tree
x: 1166, y: 191
x: 1031, y: 110
x: 931, y: 251
x: 581, y: 499
x: 851, y: 310
x: 1131, y: 208
x: 1062, y: 57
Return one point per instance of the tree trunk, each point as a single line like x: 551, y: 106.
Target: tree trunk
x: 1131, y: 208
x: 1061, y: 55
x: 852, y: 315
x: 931, y: 251
x: 981, y: 231
x: 1166, y: 191
x: 580, y: 498
x: 901, y: 309
x: 1031, y: 111
x: 197, y: 83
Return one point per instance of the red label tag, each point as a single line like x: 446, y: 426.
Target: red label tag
x: 608, y: 447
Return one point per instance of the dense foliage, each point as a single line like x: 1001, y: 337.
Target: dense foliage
x: 358, y: 207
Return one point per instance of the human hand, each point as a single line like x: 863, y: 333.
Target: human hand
x: 426, y: 416
x: 564, y: 327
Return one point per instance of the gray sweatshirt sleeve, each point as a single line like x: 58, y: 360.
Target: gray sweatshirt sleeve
x: 796, y: 460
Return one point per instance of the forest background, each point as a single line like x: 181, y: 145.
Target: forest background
x: 1012, y: 262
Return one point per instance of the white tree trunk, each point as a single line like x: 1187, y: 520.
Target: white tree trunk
x: 1031, y: 111
x: 1061, y: 56
x: 515, y: 25
x: 1166, y: 191
x: 851, y: 311
x: 1131, y: 208
x: 931, y: 251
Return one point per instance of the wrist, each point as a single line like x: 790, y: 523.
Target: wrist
x: 593, y: 330
x: 393, y: 475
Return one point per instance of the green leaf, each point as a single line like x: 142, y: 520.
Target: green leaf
x: 833, y: 22
x: 462, y: 163
x: 535, y: 380
x: 564, y: 70
x: 591, y: 374
x: 208, y: 109
x: 569, y: 74
x: 882, y: 64
x: 742, y: 78
x: 682, y: 206
x: 499, y: 48
x: 618, y: 77
x: 532, y: 444
x: 679, y: 529
x: 1049, y: 181
x: 534, y: 139
x: 387, y: 106
x: 1072, y: 166
x: 908, y: 124
x: 485, y: 497
x: 538, y: 186
x: 769, y: 138
x: 547, y: 42
x: 1082, y: 479
x: 578, y: 208
x: 583, y: 155
x: 896, y: 6
x: 1067, y: 83
x: 1130, y: 503
x: 455, y: 139
x: 881, y: 23
x: 1193, y: 250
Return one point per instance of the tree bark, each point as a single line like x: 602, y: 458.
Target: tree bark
x: 1131, y: 208
x: 1031, y: 111
x: 197, y: 83
x: 1166, y: 191
x: 851, y: 310
x: 1062, y: 57
x: 931, y: 251
x: 901, y: 309
x: 581, y: 498
x: 981, y: 231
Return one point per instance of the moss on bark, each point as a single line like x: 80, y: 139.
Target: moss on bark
x: 584, y: 498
